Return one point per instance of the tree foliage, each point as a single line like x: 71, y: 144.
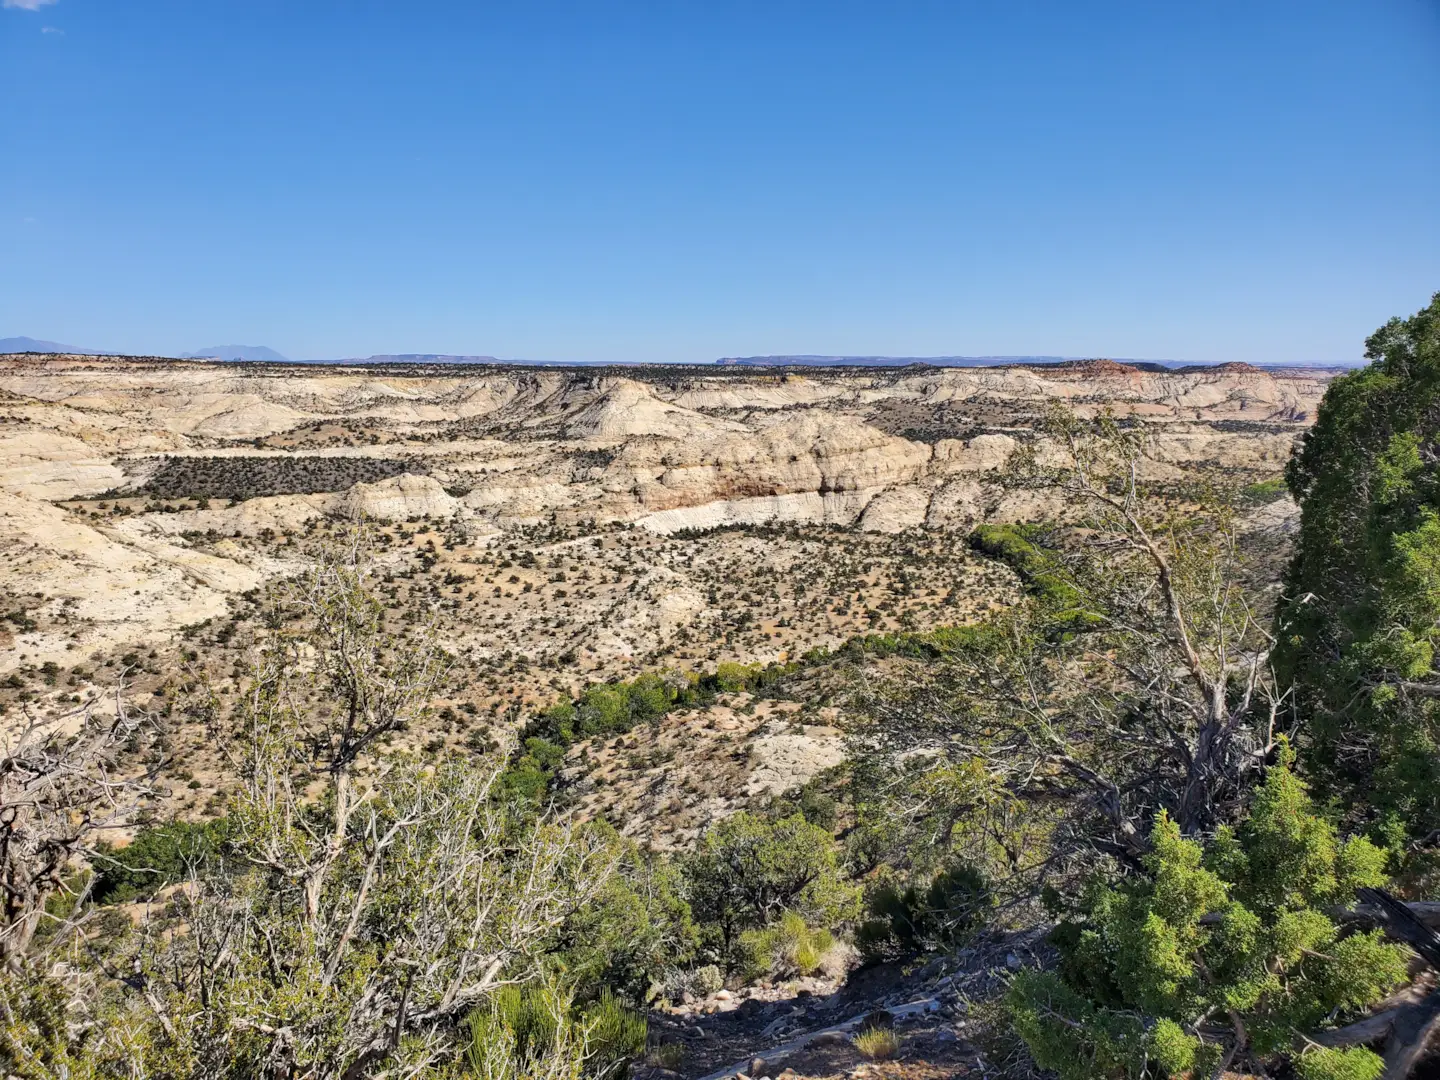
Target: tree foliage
x: 159, y: 855
x: 943, y: 915
x: 634, y: 930
x: 1134, y: 678
x: 1360, y: 622
x: 1218, y: 952
x: 747, y: 873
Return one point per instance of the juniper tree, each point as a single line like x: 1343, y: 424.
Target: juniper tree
x: 367, y: 901
x: 1217, y: 954
x: 67, y: 780
x: 1360, y: 621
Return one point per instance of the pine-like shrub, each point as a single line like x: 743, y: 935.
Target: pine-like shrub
x: 615, y: 1036
x: 1223, y: 951
x: 533, y: 1032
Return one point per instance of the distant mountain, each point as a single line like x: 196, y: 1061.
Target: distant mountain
x: 30, y: 344
x: 259, y: 353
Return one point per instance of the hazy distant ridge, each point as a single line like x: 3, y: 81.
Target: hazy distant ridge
x: 258, y: 353
x: 419, y: 358
x: 806, y: 360
x: 210, y: 352
x: 267, y: 355
x: 30, y: 344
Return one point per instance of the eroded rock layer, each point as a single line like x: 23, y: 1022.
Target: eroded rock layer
x: 109, y: 465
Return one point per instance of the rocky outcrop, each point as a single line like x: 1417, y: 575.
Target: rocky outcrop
x: 790, y: 454
x: 785, y: 758
x: 983, y: 453
x: 896, y: 509
x: 113, y: 584
x: 958, y: 505
x: 804, y: 508
x: 274, y: 513
x: 401, y: 498
x: 629, y: 410
x: 44, y: 465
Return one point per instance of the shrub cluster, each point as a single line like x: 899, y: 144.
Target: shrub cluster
x: 616, y: 708
x: 250, y: 477
x: 1021, y: 547
x: 159, y: 855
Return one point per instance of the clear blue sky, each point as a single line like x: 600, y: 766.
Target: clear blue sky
x: 610, y: 180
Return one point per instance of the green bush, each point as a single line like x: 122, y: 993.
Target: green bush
x: 524, y: 1030
x: 616, y: 1036
x: 732, y: 678
x: 159, y: 855
x: 530, y: 1016
x: 533, y: 1031
x: 944, y: 915
x: 922, y: 645
x: 812, y: 801
x: 525, y: 781
x: 698, y: 982
x: 615, y: 708
x: 1266, y: 491
x: 747, y: 872
x: 707, y: 980
x: 1040, y: 569
x: 637, y: 928
x: 1353, y: 1063
x: 877, y: 1043
x: 788, y: 947
x: 1067, y: 1034
x: 1239, y: 929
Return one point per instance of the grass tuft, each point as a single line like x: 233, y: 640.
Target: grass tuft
x: 878, y: 1043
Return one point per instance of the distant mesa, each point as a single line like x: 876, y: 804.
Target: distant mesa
x: 1233, y: 367
x: 462, y: 359
x: 1086, y: 365
x: 1083, y: 365
x: 1108, y: 367
x: 254, y: 353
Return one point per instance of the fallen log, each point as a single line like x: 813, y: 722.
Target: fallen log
x: 1404, y: 923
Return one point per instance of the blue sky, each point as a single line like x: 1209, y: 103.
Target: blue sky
x: 678, y: 181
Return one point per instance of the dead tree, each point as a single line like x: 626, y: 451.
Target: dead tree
x: 63, y: 784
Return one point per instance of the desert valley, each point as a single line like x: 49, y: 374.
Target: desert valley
x: 805, y: 693
x: 565, y: 526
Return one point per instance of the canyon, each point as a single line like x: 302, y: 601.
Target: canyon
x: 560, y: 528
x: 115, y: 471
